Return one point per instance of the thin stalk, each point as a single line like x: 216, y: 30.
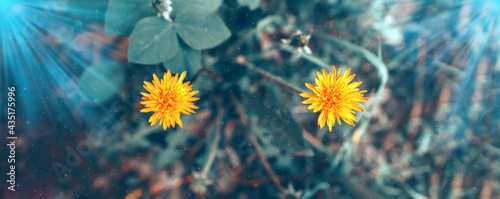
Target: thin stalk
x: 264, y: 162
x: 273, y: 78
x: 256, y: 144
x: 213, y: 152
x: 215, y: 145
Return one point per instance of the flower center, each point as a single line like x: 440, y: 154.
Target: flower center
x: 332, y: 100
x: 168, y: 101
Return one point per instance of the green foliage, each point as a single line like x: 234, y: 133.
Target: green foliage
x: 201, y: 31
x: 252, y: 4
x: 283, y: 131
x: 186, y: 59
x: 275, y: 123
x: 196, y: 6
x: 171, y: 153
x: 208, y: 83
x: 100, y: 82
x: 152, y: 41
x: 249, y: 90
x: 122, y: 15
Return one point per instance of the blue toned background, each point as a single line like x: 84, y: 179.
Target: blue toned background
x: 430, y: 130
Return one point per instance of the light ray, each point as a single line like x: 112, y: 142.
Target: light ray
x: 33, y: 48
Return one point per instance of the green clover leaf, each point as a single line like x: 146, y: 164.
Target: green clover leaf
x: 152, y: 41
x: 122, y: 15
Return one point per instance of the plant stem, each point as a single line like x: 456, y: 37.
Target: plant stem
x: 264, y: 162
x: 273, y: 78
x: 214, y: 147
x: 255, y: 142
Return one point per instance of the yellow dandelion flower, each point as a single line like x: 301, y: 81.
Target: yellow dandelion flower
x: 168, y: 98
x: 335, y: 96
